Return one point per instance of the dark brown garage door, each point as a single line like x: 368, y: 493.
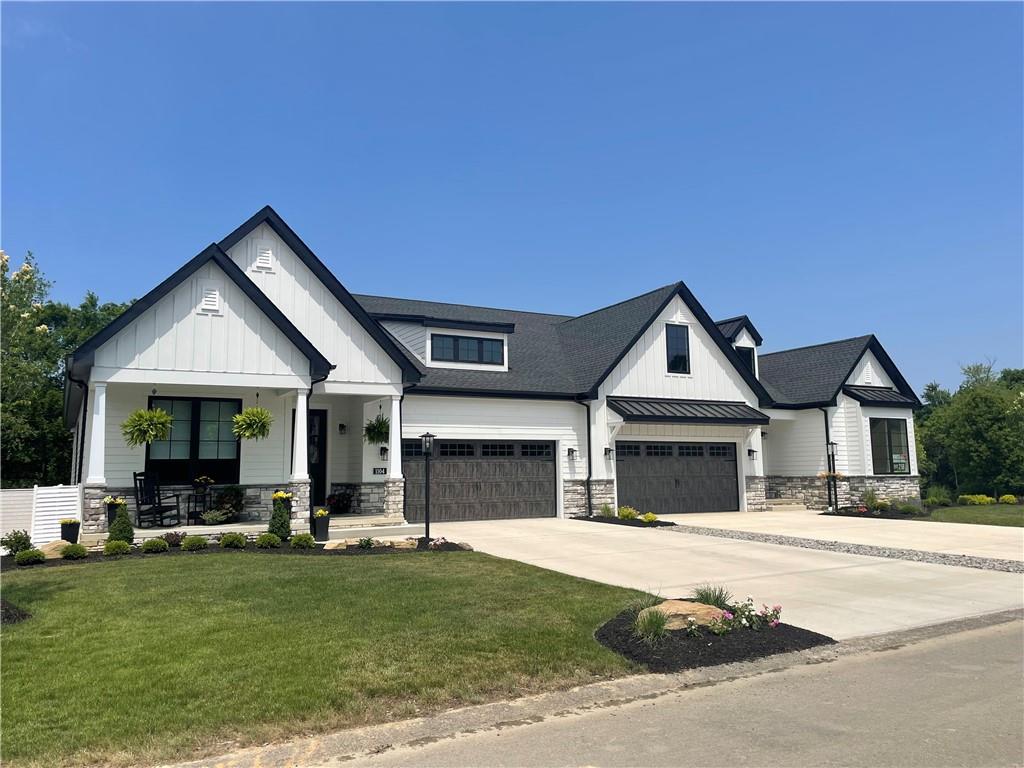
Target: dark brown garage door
x: 481, y: 480
x: 667, y: 478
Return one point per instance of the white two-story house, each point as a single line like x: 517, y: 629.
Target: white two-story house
x: 648, y: 403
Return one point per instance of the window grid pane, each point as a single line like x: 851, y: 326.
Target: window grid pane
x: 678, y: 346
x: 535, y: 450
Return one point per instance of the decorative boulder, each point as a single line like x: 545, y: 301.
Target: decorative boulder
x: 680, y: 611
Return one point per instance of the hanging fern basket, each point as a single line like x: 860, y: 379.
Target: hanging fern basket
x: 143, y: 427
x: 253, y: 423
x: 377, y: 430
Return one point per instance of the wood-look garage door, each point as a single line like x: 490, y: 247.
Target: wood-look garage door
x: 667, y: 478
x: 481, y: 480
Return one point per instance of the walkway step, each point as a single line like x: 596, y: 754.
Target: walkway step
x: 365, y: 521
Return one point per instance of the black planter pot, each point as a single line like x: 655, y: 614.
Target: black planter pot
x: 321, y: 528
x: 111, y: 513
x: 69, y: 532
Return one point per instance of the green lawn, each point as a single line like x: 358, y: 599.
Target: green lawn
x: 992, y: 514
x: 176, y: 657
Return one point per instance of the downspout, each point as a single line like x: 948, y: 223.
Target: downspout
x: 85, y: 413
x: 828, y: 461
x: 401, y: 418
x: 590, y: 460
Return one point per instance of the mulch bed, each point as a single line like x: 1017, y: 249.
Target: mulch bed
x: 11, y: 614
x: 619, y: 521
x: 679, y: 651
x: 7, y: 561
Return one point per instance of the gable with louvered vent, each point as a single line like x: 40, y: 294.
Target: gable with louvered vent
x: 209, y: 297
x: 264, y: 259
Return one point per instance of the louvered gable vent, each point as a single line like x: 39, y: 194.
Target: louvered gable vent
x: 264, y: 257
x: 209, y: 300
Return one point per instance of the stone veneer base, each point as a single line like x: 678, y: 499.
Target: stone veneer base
x: 813, y: 492
x: 574, y: 496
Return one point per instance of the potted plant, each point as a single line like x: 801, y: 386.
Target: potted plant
x: 69, y: 528
x: 253, y: 423
x: 321, y: 525
x: 377, y: 430
x: 142, y: 427
x: 113, y: 503
x: 340, y: 502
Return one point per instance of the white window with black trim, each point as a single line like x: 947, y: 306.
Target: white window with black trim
x: 201, y: 442
x: 677, y: 343
x: 890, y: 448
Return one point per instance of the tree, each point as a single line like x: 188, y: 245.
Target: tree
x: 975, y: 441
x: 35, y: 337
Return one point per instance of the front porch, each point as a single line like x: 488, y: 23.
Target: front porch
x: 330, y: 457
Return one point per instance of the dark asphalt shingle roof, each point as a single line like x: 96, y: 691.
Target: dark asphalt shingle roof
x: 810, y: 374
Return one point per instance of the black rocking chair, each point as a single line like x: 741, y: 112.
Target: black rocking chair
x: 152, y: 505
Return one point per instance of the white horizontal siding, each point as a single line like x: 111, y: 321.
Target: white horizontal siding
x: 314, y: 310
x: 642, y: 372
x: 173, y: 336
x: 477, y: 418
x: 796, y: 443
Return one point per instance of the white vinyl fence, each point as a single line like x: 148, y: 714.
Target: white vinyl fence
x: 39, y: 510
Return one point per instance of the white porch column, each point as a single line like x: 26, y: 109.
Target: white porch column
x: 395, y: 440
x: 300, y: 439
x: 98, y: 436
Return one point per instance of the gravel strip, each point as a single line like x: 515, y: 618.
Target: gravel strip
x: 893, y: 553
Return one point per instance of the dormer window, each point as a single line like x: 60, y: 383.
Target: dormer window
x: 747, y: 356
x: 466, y: 349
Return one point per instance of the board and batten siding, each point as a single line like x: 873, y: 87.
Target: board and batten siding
x: 173, y: 335
x: 262, y: 461
x: 314, y: 310
x: 643, y: 371
x: 796, y: 443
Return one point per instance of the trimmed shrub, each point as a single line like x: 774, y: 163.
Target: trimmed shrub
x: 302, y: 541
x: 268, y: 541
x: 908, y: 508
x: 366, y: 543
x: 939, y: 495
x: 194, y: 543
x: 74, y: 552
x: 281, y: 521
x: 121, y: 529
x: 975, y: 499
x: 628, y: 513
x: 16, y: 541
x: 650, y: 627
x: 116, y: 548
x: 173, y: 538
x: 29, y: 557
x: 233, y: 541
x: 155, y: 546
x: 650, y: 517
x: 606, y: 511
x: 1007, y: 498
x: 882, y: 505
x: 710, y: 594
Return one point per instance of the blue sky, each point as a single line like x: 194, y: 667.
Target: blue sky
x: 829, y: 170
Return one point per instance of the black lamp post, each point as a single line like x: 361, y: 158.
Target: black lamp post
x: 427, y: 440
x: 833, y: 486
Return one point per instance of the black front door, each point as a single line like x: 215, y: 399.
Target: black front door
x: 318, y: 457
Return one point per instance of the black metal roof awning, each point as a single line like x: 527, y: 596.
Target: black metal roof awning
x: 879, y: 396
x: 685, y: 411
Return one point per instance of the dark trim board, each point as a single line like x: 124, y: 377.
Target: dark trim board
x: 436, y: 322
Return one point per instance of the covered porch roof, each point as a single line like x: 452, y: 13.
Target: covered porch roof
x: 637, y: 409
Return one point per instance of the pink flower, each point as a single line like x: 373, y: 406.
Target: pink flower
x: 727, y: 616
x: 776, y: 607
x: 774, y: 623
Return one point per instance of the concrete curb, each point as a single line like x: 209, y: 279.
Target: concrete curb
x: 342, y: 746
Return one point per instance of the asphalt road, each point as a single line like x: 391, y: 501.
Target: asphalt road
x: 956, y: 700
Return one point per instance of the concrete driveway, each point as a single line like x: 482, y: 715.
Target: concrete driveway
x: 841, y: 595
x: 998, y: 541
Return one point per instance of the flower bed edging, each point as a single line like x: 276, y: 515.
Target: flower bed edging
x: 638, y: 523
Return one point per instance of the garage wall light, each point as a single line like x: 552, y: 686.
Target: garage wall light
x: 751, y: 453
x: 572, y: 454
x: 608, y: 452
